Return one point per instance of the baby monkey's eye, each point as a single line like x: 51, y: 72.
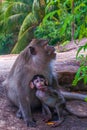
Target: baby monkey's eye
x: 42, y: 80
x: 36, y: 81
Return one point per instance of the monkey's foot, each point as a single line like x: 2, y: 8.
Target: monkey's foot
x: 55, y: 123
x: 31, y: 124
x: 19, y: 114
x: 46, y: 119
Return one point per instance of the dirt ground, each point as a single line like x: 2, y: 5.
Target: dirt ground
x: 9, y: 121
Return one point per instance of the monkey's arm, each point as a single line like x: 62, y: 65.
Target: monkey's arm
x: 55, y: 84
x: 24, y: 106
x: 53, y: 91
x: 57, y: 95
x: 54, y: 87
x: 24, y: 99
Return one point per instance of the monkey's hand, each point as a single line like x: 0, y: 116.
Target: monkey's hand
x: 46, y: 118
x: 31, y: 123
x: 52, y: 91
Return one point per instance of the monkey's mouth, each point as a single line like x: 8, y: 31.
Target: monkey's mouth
x: 43, y: 88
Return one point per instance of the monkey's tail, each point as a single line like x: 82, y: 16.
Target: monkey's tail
x: 70, y: 95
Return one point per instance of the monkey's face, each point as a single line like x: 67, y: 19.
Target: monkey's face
x: 40, y: 48
x: 39, y: 83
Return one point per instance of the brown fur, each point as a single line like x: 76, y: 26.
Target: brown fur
x: 36, y: 58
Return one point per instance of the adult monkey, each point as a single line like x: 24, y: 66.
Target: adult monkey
x: 36, y: 58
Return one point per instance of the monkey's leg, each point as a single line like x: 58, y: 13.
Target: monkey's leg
x: 43, y: 111
x: 47, y: 113
x: 59, y: 110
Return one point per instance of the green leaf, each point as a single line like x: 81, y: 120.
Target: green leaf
x: 85, y: 79
x: 80, y: 48
x: 13, y: 7
x: 29, y: 21
x: 85, y: 99
x: 67, y: 21
x: 50, y: 15
x: 77, y: 77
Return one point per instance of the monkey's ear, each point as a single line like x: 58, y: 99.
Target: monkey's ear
x: 44, y: 42
x: 32, y: 50
x: 31, y: 85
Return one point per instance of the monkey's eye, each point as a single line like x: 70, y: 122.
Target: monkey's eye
x: 42, y: 80
x: 32, y: 50
x: 37, y: 81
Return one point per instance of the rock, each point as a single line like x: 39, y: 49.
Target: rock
x: 78, y: 108
x: 66, y: 65
x: 71, y: 45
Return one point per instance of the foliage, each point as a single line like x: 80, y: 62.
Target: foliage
x: 9, y: 21
x: 62, y: 14
x: 56, y: 20
x: 21, y: 17
x: 6, y: 43
x: 49, y: 31
x: 82, y: 71
x: 85, y: 99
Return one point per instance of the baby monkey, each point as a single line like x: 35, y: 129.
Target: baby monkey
x: 50, y: 98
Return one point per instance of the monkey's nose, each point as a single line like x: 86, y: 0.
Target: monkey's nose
x: 41, y: 84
